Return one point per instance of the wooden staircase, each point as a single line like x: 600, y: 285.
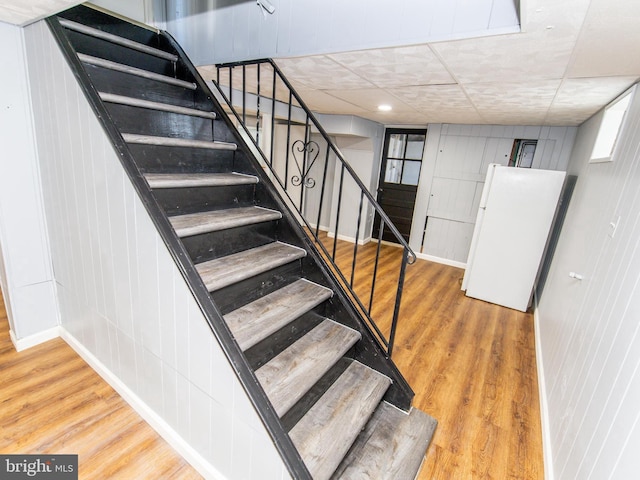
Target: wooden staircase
x: 342, y: 403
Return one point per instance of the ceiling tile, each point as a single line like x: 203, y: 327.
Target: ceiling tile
x: 398, y: 118
x: 370, y: 98
x: 608, y: 43
x: 512, y: 97
x: 321, y: 102
x: 413, y: 65
x: 519, y: 57
x: 322, y: 73
x: 433, y: 97
x: 590, y: 93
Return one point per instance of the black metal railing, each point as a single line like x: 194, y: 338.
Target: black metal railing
x: 330, y: 199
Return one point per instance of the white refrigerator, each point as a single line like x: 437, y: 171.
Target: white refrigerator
x: 516, y: 213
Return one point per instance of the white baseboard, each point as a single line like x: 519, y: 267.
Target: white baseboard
x: 547, y: 454
x: 156, y: 422
x: 21, y: 344
x: 444, y: 261
x: 349, y: 239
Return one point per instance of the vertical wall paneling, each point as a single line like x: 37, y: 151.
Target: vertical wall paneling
x: 425, y: 182
x: 121, y: 297
x: 361, y: 154
x: 27, y: 273
x: 449, y: 195
x: 588, y: 330
x: 221, y: 31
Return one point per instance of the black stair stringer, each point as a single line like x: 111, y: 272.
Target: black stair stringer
x: 234, y: 354
x: 368, y: 350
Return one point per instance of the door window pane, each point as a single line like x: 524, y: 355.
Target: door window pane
x: 410, y: 173
x: 396, y: 145
x: 393, y: 172
x: 415, y: 146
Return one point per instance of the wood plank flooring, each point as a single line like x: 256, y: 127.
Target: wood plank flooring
x: 51, y: 401
x: 471, y: 364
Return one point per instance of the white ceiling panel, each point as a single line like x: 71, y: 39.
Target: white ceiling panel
x: 413, y: 65
x: 433, y: 98
x: 322, y: 73
x: 609, y: 42
x: 318, y: 100
x: 571, y: 58
x: 370, y: 98
x: 497, y: 97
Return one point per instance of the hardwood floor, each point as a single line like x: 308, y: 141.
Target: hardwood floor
x: 471, y: 364
x: 51, y: 401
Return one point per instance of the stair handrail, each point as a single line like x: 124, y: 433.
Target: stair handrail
x: 408, y: 255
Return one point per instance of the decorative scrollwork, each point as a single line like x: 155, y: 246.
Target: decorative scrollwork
x: 310, y: 151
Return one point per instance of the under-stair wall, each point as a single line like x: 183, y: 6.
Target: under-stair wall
x: 111, y: 267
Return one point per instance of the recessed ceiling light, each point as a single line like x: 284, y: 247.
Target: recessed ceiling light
x: 384, y: 108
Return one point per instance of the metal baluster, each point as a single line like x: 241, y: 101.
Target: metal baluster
x: 355, y: 245
x: 258, y: 106
x: 396, y: 308
x: 286, y: 160
x: 305, y: 161
x: 244, y: 94
x: 335, y: 238
x: 375, y: 266
x: 273, y: 115
x: 324, y: 179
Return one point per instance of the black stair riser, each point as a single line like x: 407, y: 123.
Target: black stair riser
x: 222, y: 131
x: 212, y: 245
x: 110, y: 81
x: 271, y: 346
x: 104, y: 49
x: 163, y: 159
x: 303, y: 405
x: 239, y: 294
x: 180, y: 201
x: 145, y: 121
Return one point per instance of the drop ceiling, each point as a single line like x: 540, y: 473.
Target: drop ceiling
x: 571, y: 59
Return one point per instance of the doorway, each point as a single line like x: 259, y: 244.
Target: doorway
x: 399, y: 175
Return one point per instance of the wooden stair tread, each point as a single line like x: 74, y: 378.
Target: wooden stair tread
x: 257, y: 320
x: 148, y: 104
x: 216, y: 220
x: 327, y: 431
x: 391, y: 447
x: 120, y: 67
x: 224, y: 271
x: 124, y: 42
x: 289, y: 375
x: 184, y: 180
x: 176, y: 142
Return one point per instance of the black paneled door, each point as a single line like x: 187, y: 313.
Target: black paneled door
x: 399, y: 174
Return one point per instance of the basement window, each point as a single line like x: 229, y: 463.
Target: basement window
x: 610, y: 127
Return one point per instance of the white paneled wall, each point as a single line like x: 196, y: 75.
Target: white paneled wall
x: 26, y: 276
x: 360, y: 154
x: 221, y: 31
x: 455, y: 163
x: 588, y: 331
x: 122, y: 298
